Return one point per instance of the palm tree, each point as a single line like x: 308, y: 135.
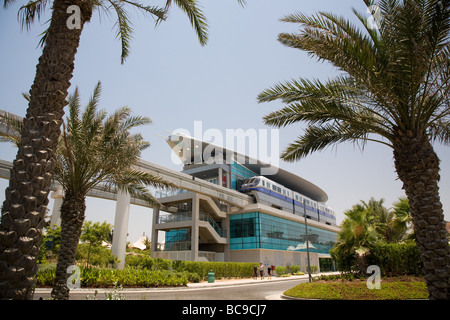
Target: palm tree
x: 94, y: 151
x: 356, y: 236
x: 402, y: 222
x: 393, y: 89
x: 365, y: 225
x: 384, y: 220
x: 27, y: 194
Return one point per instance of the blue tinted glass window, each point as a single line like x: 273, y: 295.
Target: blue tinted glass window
x: 259, y: 230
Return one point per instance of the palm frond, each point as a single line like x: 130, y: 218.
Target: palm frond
x: 134, y: 121
x: 124, y: 28
x: 139, y: 191
x: 440, y: 131
x: 136, y: 176
x: 6, y: 3
x: 14, y: 128
x: 195, y: 15
x: 44, y: 36
x: 317, y: 138
x: 314, y: 102
x: 154, y: 11
x: 30, y: 11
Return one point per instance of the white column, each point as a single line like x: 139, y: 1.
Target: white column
x: 121, y: 227
x: 194, y: 227
x: 219, y: 178
x: 58, y: 195
x: 155, y: 220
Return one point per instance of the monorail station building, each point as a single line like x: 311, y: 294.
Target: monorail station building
x: 241, y: 210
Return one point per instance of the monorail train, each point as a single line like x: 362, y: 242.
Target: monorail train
x: 276, y: 195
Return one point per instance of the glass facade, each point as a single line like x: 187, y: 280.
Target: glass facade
x: 239, y: 173
x: 257, y: 230
x: 178, y: 239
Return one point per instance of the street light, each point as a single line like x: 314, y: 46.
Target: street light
x: 307, y: 241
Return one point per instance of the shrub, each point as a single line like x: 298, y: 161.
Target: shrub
x: 396, y: 259
x: 98, y: 255
x: 131, y: 277
x: 146, y: 262
x: 294, y: 269
x: 220, y: 269
x: 144, y: 271
x: 45, y: 275
x: 392, y: 258
x: 280, y: 270
x: 313, y: 269
x: 128, y: 277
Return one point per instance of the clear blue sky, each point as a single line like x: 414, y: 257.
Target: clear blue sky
x: 175, y: 81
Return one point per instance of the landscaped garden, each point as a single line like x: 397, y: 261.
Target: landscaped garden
x: 96, y: 264
x: 331, y: 288
x: 371, y: 235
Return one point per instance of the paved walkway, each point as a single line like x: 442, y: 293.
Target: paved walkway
x: 203, y: 284
x: 232, y: 282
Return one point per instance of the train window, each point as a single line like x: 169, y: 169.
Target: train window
x: 279, y: 189
x: 274, y: 188
x: 263, y: 183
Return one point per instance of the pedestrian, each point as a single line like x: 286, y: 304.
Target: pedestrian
x: 269, y: 275
x: 255, y: 272
x: 261, y: 270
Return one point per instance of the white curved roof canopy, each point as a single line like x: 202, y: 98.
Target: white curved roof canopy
x: 191, y: 151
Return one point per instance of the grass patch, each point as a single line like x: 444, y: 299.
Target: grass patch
x: 357, y: 290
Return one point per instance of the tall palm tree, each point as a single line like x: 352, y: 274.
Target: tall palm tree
x: 27, y: 194
x: 94, y: 151
x: 393, y: 89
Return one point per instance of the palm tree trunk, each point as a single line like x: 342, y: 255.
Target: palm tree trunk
x: 72, y: 217
x: 417, y: 166
x: 27, y: 195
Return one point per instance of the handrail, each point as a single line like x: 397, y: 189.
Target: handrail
x: 186, y: 216
x: 175, y: 217
x: 206, y: 217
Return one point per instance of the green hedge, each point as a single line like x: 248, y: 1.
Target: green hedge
x: 144, y: 271
x: 202, y: 268
x: 147, y: 262
x: 128, y: 277
x: 220, y: 269
x: 131, y: 277
x: 396, y: 259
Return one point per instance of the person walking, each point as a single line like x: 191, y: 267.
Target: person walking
x: 261, y: 270
x: 269, y: 270
x: 255, y: 272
